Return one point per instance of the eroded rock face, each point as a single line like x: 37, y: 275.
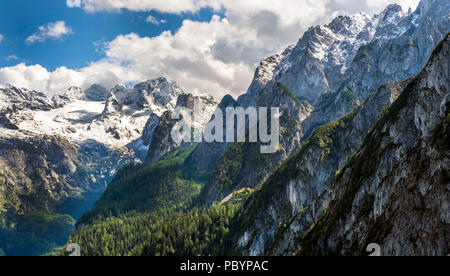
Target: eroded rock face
x: 206, y: 155
x: 400, y: 54
x: 321, y: 58
x: 46, y: 182
x: 294, y: 190
x: 66, y: 169
x: 393, y: 191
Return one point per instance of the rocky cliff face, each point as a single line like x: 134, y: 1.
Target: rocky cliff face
x: 21, y: 98
x: 96, y: 93
x: 393, y: 191
x: 331, y: 70
x: 296, y: 186
x: 243, y: 165
x: 336, y: 66
x: 391, y: 46
x: 362, y: 51
x: 404, y: 52
x: 331, y: 88
x: 57, y: 166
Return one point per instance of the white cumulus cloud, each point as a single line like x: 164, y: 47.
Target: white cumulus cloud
x: 1, y: 37
x: 54, y: 30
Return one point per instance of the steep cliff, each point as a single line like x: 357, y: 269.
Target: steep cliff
x: 300, y: 181
x: 395, y: 190
x: 392, y: 191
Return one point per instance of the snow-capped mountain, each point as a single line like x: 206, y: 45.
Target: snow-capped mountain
x: 324, y: 57
x: 110, y: 128
x: 21, y: 98
x: 337, y: 66
x: 393, y: 189
x: 116, y: 119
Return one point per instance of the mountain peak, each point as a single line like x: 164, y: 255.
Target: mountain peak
x: 392, y: 14
x: 74, y: 93
x: 227, y: 101
x: 393, y: 8
x: 120, y: 86
x: 96, y: 93
x: 160, y: 91
x: 21, y: 98
x: 349, y: 25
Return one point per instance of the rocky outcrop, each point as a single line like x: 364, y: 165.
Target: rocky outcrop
x: 331, y: 107
x: 206, y: 155
x: 128, y: 111
x: 330, y: 72
x: 72, y: 95
x: 334, y: 67
x: 358, y: 53
x: 321, y: 58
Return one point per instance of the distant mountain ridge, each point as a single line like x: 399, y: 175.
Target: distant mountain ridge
x: 329, y: 55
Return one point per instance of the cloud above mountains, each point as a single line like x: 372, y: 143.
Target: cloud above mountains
x: 54, y: 30
x: 215, y: 57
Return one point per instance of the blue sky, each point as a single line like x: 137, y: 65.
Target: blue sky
x: 207, y: 46
x: 21, y: 18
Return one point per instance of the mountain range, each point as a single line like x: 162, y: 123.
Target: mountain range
x: 363, y: 155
